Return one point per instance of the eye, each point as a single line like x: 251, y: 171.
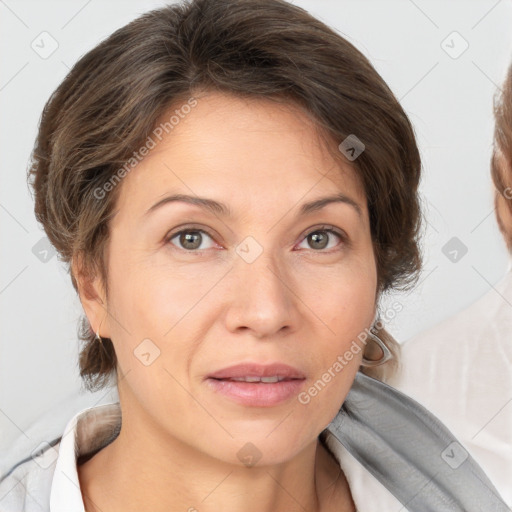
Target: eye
x: 190, y: 239
x: 319, y: 238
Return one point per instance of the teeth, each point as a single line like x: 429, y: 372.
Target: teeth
x: 251, y: 379
x: 274, y: 378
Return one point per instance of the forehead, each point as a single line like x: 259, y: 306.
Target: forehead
x: 251, y: 152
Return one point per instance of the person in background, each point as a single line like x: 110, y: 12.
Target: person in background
x: 467, y: 359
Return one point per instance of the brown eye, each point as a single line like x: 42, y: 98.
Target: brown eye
x: 319, y: 239
x: 189, y: 239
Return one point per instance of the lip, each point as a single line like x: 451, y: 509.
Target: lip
x: 257, y: 394
x: 258, y: 370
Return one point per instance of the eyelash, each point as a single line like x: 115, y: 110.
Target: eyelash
x: 326, y: 229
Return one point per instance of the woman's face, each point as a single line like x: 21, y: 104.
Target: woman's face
x: 502, y: 201
x: 261, y: 281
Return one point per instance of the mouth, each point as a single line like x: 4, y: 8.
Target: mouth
x: 255, y: 378
x: 257, y: 371
x: 257, y: 385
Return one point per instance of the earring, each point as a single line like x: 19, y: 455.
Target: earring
x: 386, y: 353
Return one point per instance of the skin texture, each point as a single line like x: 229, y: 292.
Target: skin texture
x: 502, y: 203
x: 298, y: 303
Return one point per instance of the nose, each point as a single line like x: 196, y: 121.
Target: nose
x: 263, y: 300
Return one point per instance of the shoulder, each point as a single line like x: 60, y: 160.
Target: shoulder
x: 481, y: 325
x: 26, y: 486
x: 408, y: 451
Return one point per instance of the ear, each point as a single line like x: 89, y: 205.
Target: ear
x: 91, y: 292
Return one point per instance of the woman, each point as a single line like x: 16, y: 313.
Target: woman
x: 234, y: 187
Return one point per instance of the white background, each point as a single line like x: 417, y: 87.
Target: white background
x: 449, y: 101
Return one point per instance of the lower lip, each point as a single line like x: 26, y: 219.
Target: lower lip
x: 257, y: 394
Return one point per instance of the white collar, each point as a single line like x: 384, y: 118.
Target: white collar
x: 88, y: 430
x: 94, y: 427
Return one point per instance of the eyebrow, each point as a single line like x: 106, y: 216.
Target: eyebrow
x: 216, y: 207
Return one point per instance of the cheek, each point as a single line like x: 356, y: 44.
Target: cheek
x: 149, y: 292
x: 162, y: 304
x: 504, y: 211
x: 345, y: 308
x: 342, y: 296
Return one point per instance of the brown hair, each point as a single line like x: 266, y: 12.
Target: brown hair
x: 111, y: 100
x: 501, y: 161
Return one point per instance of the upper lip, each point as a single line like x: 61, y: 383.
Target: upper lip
x: 258, y: 370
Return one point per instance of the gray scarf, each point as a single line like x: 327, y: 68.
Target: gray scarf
x: 411, y: 452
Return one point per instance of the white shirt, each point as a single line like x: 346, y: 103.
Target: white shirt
x: 49, y: 482
x: 461, y: 370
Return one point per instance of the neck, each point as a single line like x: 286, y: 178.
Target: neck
x: 135, y: 472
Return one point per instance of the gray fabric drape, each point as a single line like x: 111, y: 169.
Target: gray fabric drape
x: 411, y: 452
